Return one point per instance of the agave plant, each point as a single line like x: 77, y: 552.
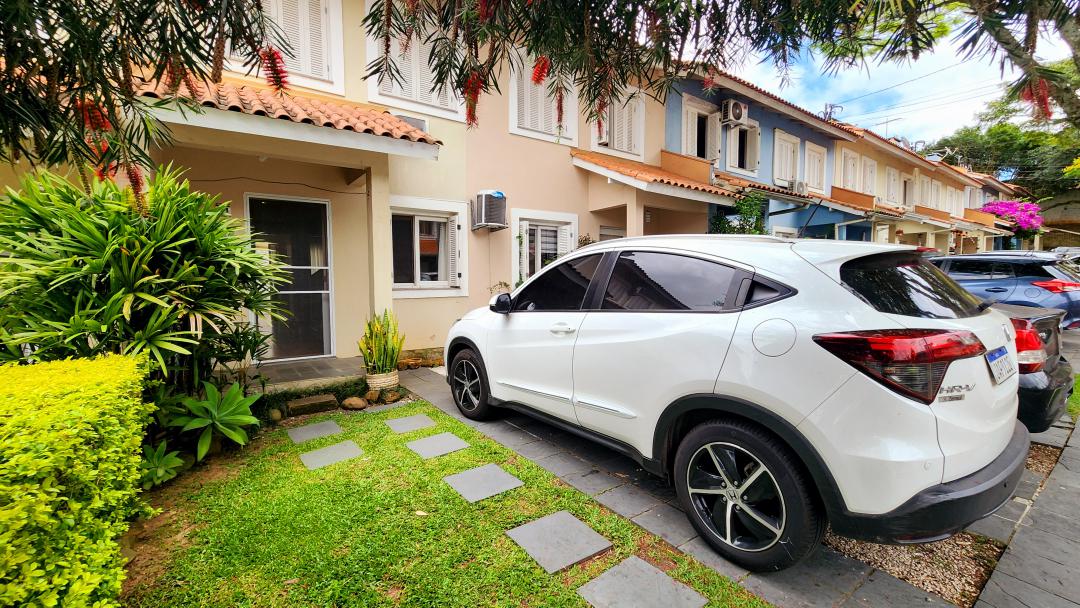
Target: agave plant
x: 225, y: 414
x: 159, y: 466
x: 381, y: 344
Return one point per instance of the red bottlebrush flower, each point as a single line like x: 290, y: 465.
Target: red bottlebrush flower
x: 411, y: 7
x: 559, y: 109
x: 709, y: 81
x: 473, y: 86
x: 138, y: 187
x: 1037, y: 94
x: 486, y: 10
x: 541, y: 69
x: 93, y: 117
x: 273, y: 64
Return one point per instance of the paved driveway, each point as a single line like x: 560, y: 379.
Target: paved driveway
x: 825, y: 579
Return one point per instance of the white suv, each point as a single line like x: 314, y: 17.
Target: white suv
x: 779, y: 384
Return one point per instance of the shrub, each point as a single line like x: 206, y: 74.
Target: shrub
x: 87, y: 274
x: 69, y: 476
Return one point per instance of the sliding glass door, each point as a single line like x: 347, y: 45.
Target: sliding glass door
x: 298, y: 231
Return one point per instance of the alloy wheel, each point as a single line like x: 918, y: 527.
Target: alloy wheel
x: 736, y: 496
x: 467, y: 385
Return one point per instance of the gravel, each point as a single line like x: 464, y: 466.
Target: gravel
x: 955, y: 569
x: 1042, y: 458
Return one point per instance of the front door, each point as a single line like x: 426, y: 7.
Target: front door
x: 530, y: 353
x: 298, y: 232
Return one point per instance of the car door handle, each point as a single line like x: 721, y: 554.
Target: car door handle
x: 561, y: 329
x: 996, y: 289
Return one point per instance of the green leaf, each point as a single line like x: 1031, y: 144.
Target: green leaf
x: 204, y: 443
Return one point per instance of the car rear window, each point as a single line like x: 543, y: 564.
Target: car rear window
x: 906, y: 284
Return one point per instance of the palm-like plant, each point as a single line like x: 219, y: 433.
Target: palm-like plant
x: 86, y: 274
x: 225, y: 414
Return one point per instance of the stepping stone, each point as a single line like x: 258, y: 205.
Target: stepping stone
x: 636, y: 582
x: 558, y: 541
x: 315, y: 403
x: 410, y: 423
x: 317, y: 459
x: 308, y: 432
x: 437, y: 445
x: 482, y: 482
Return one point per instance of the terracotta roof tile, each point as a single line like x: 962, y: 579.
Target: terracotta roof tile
x: 739, y: 182
x: 296, y: 108
x: 649, y: 173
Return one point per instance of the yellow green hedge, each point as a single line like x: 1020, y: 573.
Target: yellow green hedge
x: 69, y: 472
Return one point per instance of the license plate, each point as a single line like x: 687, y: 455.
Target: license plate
x: 1001, y: 364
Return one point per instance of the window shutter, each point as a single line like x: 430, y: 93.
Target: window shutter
x: 689, y: 118
x: 523, y: 250
x: 713, y: 134
x: 892, y: 185
x: 319, y: 65
x: 815, y: 167
x: 452, y: 268
x: 566, y: 237
x: 304, y: 25
x: 753, y: 143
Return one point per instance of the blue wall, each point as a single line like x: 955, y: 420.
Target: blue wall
x: 768, y: 121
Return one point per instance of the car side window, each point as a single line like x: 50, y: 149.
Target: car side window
x: 1003, y: 270
x: 643, y: 280
x: 971, y: 270
x: 560, y: 288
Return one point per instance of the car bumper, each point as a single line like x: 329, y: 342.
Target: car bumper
x: 945, y: 509
x: 1043, y: 396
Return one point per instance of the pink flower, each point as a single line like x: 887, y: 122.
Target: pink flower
x: 1024, y: 214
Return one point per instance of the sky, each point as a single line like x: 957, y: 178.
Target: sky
x: 945, y: 93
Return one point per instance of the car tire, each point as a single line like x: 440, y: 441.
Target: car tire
x: 469, y: 385
x: 770, y: 524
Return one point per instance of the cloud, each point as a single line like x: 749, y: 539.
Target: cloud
x: 945, y: 91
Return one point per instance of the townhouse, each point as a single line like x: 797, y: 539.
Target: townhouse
x: 377, y: 196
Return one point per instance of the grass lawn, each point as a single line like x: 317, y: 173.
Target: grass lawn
x: 1074, y: 400
x: 258, y: 529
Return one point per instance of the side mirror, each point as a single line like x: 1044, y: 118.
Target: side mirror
x: 501, y: 304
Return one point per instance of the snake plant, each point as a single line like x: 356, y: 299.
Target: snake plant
x: 381, y: 344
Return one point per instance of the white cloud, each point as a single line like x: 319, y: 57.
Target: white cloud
x: 944, y: 97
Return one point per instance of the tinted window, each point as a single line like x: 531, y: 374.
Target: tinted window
x: 562, y: 287
x: 905, y: 284
x: 968, y: 270
x: 1064, y: 270
x: 663, y: 281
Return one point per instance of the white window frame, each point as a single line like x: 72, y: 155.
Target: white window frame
x: 569, y: 135
x: 374, y: 49
x: 636, y: 96
x: 611, y: 232
x: 456, y: 213
x: 732, y: 140
x: 796, y: 144
x: 937, y: 195
x: 926, y: 192
x: 335, y: 55
x: 845, y: 154
x: 870, y: 188
x: 692, y: 108
x: 814, y: 149
x: 546, y: 218
x: 907, y: 177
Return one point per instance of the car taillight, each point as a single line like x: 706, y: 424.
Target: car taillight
x: 1057, y: 285
x: 911, y: 362
x: 1030, y: 352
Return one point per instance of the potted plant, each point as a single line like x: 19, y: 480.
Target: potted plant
x: 381, y: 348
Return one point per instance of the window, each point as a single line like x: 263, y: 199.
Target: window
x: 533, y: 111
x: 622, y: 133
x: 785, y: 158
x: 701, y: 129
x: 937, y: 195
x: 955, y: 202
x: 906, y: 284
x: 815, y: 167
x: 925, y: 198
x: 313, y: 30
x: 892, y: 185
x: 907, y: 185
x: 667, y: 282
x: 971, y: 198
x: 869, y: 176
x: 541, y: 238
x: 743, y: 148
x: 850, y: 178
x: 560, y: 289
x: 428, y: 253
x: 414, y: 92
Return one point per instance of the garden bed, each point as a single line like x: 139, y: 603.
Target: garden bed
x: 257, y: 528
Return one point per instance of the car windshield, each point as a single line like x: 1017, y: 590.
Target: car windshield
x: 906, y: 284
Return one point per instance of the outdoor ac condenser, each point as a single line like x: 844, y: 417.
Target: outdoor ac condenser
x: 489, y: 210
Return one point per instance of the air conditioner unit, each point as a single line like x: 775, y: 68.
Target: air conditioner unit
x: 489, y: 210
x: 800, y: 188
x: 733, y: 112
